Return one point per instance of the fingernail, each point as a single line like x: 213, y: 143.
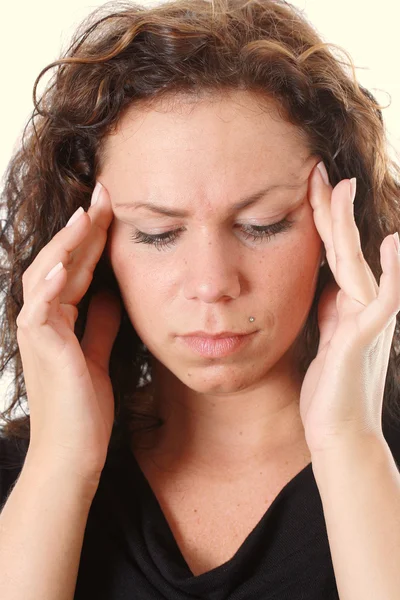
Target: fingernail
x: 396, y: 241
x: 323, y: 171
x: 96, y: 193
x: 353, y: 184
x: 75, y: 216
x: 54, y: 271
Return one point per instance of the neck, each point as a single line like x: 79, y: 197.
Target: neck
x: 213, y: 435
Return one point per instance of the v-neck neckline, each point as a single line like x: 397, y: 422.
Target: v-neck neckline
x: 152, y: 500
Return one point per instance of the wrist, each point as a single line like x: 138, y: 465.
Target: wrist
x: 45, y: 467
x: 349, y: 453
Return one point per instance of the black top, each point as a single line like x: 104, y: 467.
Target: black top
x: 129, y: 551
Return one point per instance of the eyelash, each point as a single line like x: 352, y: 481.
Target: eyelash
x: 168, y: 238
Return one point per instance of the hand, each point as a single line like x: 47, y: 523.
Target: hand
x: 342, y: 392
x: 69, y: 391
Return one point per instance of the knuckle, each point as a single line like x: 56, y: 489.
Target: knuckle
x: 24, y: 321
x: 25, y: 277
x: 75, y: 313
x: 21, y: 322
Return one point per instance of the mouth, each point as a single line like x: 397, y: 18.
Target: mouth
x: 221, y: 334
x: 216, y: 347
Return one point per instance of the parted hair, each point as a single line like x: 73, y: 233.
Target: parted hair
x: 124, y: 54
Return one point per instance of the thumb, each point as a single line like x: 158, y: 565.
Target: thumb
x: 102, y: 325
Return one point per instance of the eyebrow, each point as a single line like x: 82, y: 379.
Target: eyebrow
x: 252, y: 199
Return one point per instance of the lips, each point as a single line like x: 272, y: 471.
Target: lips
x: 216, y: 347
x: 215, y: 336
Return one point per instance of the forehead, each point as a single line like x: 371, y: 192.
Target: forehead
x: 235, y: 128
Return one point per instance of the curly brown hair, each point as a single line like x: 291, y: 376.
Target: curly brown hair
x: 123, y: 54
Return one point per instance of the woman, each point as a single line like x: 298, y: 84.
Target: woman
x: 228, y: 144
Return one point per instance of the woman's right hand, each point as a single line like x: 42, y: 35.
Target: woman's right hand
x: 69, y: 390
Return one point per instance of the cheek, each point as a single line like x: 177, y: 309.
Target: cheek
x: 287, y: 283
x: 140, y: 282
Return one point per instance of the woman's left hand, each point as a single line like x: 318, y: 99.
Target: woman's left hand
x: 342, y: 392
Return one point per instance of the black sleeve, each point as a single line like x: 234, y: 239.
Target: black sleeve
x: 12, y: 457
x: 392, y: 436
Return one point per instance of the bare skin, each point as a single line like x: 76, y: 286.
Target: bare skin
x: 224, y: 418
x: 231, y: 424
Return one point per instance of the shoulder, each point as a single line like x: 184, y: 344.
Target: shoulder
x: 12, y: 456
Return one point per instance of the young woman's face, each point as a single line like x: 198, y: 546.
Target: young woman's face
x: 217, y: 269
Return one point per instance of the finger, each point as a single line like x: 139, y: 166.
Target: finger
x: 45, y: 331
x: 381, y: 312
x: 101, y: 212
x: 65, y: 245
x: 351, y: 273
x: 57, y: 250
x: 37, y: 312
x: 87, y: 254
x: 321, y: 200
x: 41, y: 293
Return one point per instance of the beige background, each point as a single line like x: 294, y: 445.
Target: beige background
x: 34, y: 33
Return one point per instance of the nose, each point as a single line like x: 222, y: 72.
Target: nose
x: 212, y: 271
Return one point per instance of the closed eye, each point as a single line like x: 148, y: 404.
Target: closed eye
x: 253, y: 232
